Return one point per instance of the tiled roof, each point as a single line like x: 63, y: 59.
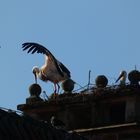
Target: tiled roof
x: 22, y: 127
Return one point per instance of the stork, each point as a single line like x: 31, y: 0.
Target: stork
x: 52, y: 70
x: 56, y: 122
x: 122, y: 77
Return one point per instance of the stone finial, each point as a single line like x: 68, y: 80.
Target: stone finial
x: 68, y: 85
x: 101, y: 81
x: 134, y: 77
x: 35, y: 91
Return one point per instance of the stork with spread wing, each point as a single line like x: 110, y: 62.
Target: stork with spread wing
x: 52, y: 70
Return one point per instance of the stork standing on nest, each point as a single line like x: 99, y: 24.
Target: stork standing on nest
x: 52, y: 70
x: 122, y: 77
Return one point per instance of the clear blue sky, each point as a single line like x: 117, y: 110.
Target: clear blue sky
x: 98, y: 35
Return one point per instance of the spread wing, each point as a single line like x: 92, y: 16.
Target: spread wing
x: 63, y: 68
x: 37, y: 48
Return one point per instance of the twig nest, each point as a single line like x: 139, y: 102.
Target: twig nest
x: 35, y: 90
x: 134, y: 77
x: 101, y: 81
x: 68, y: 85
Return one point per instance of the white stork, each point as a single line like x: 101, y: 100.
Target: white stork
x: 122, y: 77
x: 52, y: 70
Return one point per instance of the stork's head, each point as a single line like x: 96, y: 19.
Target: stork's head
x: 122, y: 76
x: 124, y: 73
x: 35, y: 71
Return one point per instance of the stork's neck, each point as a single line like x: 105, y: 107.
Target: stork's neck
x: 42, y: 76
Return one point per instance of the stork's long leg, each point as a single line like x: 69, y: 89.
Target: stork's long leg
x: 54, y: 88
x: 58, y: 88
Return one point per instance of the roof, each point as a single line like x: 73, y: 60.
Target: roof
x: 22, y: 127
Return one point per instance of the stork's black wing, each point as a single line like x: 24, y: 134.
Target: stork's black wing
x: 35, y: 47
x: 63, y: 68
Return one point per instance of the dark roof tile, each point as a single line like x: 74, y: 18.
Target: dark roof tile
x: 22, y: 127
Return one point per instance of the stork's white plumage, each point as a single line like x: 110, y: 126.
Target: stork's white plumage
x: 52, y: 70
x: 122, y: 77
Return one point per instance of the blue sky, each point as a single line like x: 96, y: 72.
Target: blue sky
x: 98, y: 35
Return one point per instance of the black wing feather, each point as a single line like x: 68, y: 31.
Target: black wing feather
x: 35, y: 47
x: 38, y: 48
x: 34, y: 50
x: 25, y: 47
x: 63, y: 68
x: 30, y: 49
